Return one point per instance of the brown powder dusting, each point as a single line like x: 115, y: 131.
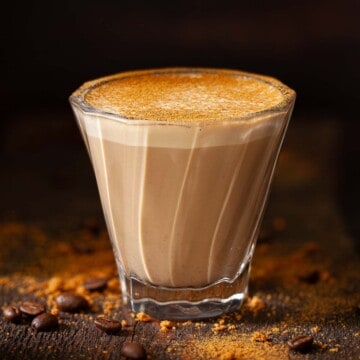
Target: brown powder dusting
x: 67, y: 266
x: 6, y: 282
x: 232, y: 347
x: 191, y: 95
x: 238, y: 335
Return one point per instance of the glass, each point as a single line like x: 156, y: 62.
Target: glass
x: 183, y: 201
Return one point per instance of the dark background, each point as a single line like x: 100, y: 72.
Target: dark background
x: 313, y: 46
x: 50, y: 48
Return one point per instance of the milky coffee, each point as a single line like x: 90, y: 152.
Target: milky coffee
x: 183, y: 160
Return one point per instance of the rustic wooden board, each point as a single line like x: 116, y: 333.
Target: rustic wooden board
x: 304, y: 279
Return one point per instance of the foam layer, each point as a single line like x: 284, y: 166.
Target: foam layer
x: 181, y: 137
x: 184, y: 95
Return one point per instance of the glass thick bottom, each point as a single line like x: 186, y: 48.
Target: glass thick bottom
x: 186, y: 303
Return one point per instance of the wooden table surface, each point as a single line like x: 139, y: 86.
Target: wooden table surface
x: 304, y: 280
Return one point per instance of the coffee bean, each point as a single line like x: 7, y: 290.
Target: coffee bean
x: 31, y: 309
x: 110, y: 326
x: 70, y: 302
x: 45, y: 322
x: 12, y: 314
x: 95, y: 284
x: 133, y: 350
x: 301, y: 343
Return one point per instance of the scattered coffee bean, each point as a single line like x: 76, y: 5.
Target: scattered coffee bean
x: 95, y: 284
x: 31, y: 309
x: 133, y: 350
x: 301, y: 343
x: 110, y: 326
x: 70, y: 302
x: 12, y: 314
x: 311, y: 277
x: 45, y: 322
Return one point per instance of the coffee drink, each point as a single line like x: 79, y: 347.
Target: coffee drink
x: 183, y: 160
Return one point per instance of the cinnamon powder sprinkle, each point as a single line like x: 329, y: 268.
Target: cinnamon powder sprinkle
x: 184, y: 95
x: 236, y: 335
x: 232, y: 347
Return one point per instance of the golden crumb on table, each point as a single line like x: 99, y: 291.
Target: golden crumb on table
x: 124, y: 323
x: 186, y: 323
x: 315, y: 329
x: 167, y: 325
x: 259, y: 336
x: 199, y: 324
x: 255, y: 304
x: 54, y: 311
x: 141, y: 316
x: 217, y: 327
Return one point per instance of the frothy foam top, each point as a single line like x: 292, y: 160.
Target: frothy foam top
x: 191, y: 95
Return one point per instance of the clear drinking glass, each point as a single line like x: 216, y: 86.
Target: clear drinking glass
x: 183, y: 200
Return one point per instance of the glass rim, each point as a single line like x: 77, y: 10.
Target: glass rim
x: 77, y: 98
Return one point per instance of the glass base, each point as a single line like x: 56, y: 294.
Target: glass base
x: 186, y: 303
